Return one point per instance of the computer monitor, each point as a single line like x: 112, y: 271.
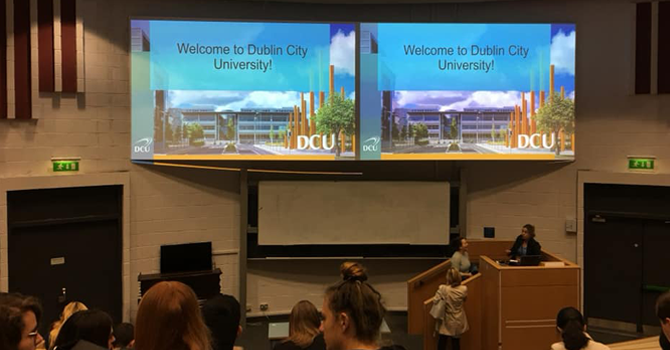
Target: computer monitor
x: 186, y: 257
x: 530, y: 260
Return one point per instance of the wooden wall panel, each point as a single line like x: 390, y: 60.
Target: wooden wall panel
x: 643, y: 48
x: 45, y: 38
x: 22, y: 64
x: 68, y: 15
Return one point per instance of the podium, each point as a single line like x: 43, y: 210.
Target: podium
x: 520, y: 303
x: 205, y: 284
x: 508, y: 307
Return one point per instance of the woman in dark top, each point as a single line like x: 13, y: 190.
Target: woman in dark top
x: 525, y: 243
x: 304, y: 333
x: 93, y: 326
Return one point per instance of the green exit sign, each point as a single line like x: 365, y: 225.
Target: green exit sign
x: 65, y: 165
x: 641, y: 163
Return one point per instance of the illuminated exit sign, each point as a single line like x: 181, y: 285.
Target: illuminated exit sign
x: 65, y: 165
x: 641, y: 163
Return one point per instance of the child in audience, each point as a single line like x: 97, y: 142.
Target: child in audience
x: 352, y: 312
x: 570, y: 324
x: 304, y: 325
x: 68, y: 311
x: 169, y: 318
x: 92, y: 326
x: 124, y: 336
x: 222, y: 317
x: 454, y: 322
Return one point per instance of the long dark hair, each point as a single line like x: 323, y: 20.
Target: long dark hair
x: 571, y: 323
x: 354, y: 296
x: 94, y: 326
x: 456, y: 244
x: 11, y: 324
x: 531, y: 230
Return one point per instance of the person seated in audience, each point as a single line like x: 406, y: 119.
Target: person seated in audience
x: 11, y: 327
x: 570, y: 324
x: 663, y: 314
x: 30, y: 310
x: 222, y: 317
x: 663, y: 342
x: 460, y: 260
x: 169, y: 318
x: 352, y: 311
x: 304, y: 324
x: 124, y: 336
x: 525, y: 243
x: 87, y: 326
x: 453, y: 323
x: 68, y: 311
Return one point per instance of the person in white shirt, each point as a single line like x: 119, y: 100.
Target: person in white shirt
x: 570, y: 324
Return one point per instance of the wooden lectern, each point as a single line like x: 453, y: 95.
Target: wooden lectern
x: 508, y: 307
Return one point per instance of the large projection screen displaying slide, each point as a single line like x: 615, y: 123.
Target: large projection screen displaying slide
x: 328, y: 212
x: 233, y: 90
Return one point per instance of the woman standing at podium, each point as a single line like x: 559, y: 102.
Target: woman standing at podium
x: 525, y: 243
x: 460, y: 260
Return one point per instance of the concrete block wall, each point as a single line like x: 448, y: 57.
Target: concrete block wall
x: 166, y: 205
x: 172, y: 206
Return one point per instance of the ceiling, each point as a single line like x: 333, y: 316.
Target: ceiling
x: 381, y: 1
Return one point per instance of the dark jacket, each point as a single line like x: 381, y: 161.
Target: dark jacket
x: 533, y: 247
x: 663, y: 342
x: 317, y: 344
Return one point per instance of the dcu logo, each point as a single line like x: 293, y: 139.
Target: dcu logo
x: 143, y: 145
x: 371, y: 144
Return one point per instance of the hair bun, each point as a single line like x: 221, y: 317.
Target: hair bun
x: 353, y: 271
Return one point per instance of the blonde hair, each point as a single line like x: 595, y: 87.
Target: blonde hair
x: 453, y: 277
x: 69, y: 310
x: 304, y: 323
x: 169, y: 318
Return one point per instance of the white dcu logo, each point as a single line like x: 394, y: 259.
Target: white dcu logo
x: 371, y: 144
x: 143, y: 145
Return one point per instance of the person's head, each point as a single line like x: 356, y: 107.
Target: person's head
x: 352, y: 310
x: 31, y: 312
x: 94, y: 326
x: 460, y: 244
x: 68, y: 311
x: 124, y: 335
x: 570, y: 324
x: 528, y: 232
x: 304, y: 323
x: 11, y: 327
x: 663, y: 312
x: 453, y: 277
x: 169, y: 318
x: 222, y: 316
